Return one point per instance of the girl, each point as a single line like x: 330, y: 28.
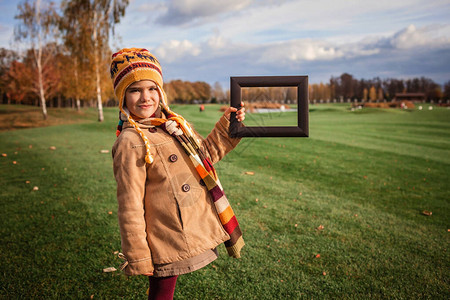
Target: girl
x: 172, y: 210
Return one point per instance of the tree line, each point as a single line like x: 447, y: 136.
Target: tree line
x: 347, y: 87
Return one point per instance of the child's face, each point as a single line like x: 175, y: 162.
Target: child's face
x: 142, y: 98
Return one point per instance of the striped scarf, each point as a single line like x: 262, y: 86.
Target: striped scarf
x: 177, y: 127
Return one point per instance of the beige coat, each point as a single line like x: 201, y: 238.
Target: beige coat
x: 165, y: 212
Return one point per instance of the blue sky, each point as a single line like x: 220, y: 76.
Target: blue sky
x: 213, y: 40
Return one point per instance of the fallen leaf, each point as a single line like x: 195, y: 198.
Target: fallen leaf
x: 317, y: 255
x: 27, y: 181
x: 427, y: 213
x: 35, y: 188
x: 52, y: 148
x: 30, y: 146
x: 116, y: 252
x: 320, y: 227
x: 92, y: 296
x: 109, y: 270
x: 14, y: 162
x: 265, y: 206
x: 324, y: 273
x: 250, y: 173
x: 4, y: 154
x: 109, y: 212
x: 295, y: 225
x: 104, y: 151
x: 256, y: 200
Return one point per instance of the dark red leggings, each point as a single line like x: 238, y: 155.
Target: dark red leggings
x: 162, y: 288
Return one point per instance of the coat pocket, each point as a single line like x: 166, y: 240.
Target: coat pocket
x: 187, y: 189
x: 189, y: 197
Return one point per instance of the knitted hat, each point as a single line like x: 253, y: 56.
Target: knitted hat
x: 135, y: 64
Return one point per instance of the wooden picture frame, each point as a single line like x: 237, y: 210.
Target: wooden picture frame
x: 237, y: 130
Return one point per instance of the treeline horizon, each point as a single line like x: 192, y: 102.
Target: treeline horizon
x: 17, y: 86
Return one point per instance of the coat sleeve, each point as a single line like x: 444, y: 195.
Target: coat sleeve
x: 218, y: 143
x: 130, y: 173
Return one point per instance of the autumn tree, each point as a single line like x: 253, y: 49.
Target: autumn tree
x: 94, y: 21
x: 202, y: 91
x: 20, y: 83
x: 38, y: 30
x: 77, y: 37
x: 446, y: 92
x: 7, y: 57
x: 372, y: 93
x: 365, y: 93
x: 380, y: 95
x: 16, y: 80
x: 217, y: 93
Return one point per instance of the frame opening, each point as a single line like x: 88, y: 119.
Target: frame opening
x: 283, y: 93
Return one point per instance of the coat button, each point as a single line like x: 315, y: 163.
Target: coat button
x: 186, y: 188
x: 173, y: 158
x: 202, y: 183
x: 152, y: 129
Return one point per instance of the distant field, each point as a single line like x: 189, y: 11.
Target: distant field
x: 337, y: 215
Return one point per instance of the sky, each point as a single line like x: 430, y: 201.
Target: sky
x: 204, y: 40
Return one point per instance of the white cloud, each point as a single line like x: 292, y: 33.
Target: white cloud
x: 217, y: 41
x: 299, y: 50
x: 173, y: 50
x: 303, y: 50
x: 430, y: 36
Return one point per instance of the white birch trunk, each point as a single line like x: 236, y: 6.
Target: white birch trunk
x: 38, y: 58
x: 97, y: 71
x: 77, y: 97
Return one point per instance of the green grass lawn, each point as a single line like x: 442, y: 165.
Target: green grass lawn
x: 335, y: 215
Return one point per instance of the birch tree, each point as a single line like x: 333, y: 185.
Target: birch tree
x: 38, y: 30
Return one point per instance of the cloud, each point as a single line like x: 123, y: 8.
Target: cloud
x: 429, y: 36
x: 427, y: 53
x: 187, y: 11
x: 301, y: 50
x: 174, y: 50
